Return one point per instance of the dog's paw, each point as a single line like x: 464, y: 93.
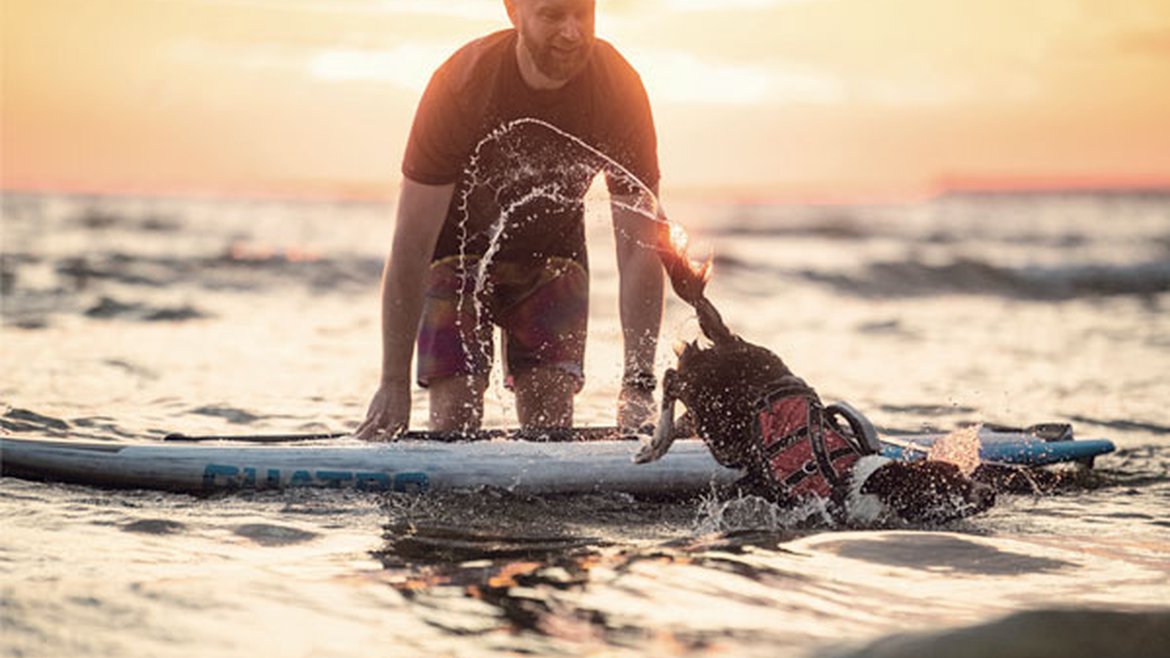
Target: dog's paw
x: 651, y: 451
x: 655, y: 448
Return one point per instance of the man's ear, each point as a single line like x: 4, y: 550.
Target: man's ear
x: 510, y: 6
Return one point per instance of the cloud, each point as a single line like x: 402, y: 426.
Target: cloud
x: 409, y: 65
x: 469, y: 9
x: 676, y: 76
x: 1155, y: 43
x: 725, y: 5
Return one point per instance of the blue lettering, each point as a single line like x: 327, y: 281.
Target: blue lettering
x: 226, y: 476
x: 212, y: 471
x: 372, y: 481
x: 300, y: 479
x: 333, y: 479
x: 411, y: 482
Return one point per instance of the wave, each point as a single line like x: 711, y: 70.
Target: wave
x: 914, y: 278
x: 841, y: 227
x: 126, y: 286
x: 223, y: 271
x: 857, y: 231
x: 1069, y: 633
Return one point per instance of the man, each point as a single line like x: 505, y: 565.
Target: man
x: 490, y: 225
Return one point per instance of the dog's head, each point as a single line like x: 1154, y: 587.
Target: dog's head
x: 726, y: 373
x: 720, y: 385
x: 928, y: 491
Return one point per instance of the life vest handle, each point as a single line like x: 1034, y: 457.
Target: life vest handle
x: 861, y: 434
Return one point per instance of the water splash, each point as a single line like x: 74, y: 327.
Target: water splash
x: 960, y: 448
x: 721, y: 515
x: 645, y: 204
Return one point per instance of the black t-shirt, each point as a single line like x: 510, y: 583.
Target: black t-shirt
x: 480, y: 126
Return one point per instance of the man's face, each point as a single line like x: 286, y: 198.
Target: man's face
x: 558, y: 34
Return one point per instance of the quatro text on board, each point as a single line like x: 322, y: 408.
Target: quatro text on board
x: 226, y: 476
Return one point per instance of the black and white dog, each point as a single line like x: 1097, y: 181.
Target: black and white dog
x: 755, y: 414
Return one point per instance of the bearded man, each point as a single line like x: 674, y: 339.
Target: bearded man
x: 507, y: 138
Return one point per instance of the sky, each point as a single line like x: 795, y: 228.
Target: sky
x: 818, y: 99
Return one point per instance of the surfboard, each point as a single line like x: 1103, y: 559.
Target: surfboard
x: 592, y: 459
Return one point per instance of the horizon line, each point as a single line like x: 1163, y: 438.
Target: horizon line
x: 782, y: 193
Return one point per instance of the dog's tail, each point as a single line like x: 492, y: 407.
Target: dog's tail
x: 689, y: 281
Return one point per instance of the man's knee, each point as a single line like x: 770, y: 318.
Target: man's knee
x: 456, y: 403
x: 556, y: 380
x: 544, y: 396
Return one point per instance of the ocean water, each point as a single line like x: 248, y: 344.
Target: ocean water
x: 135, y: 317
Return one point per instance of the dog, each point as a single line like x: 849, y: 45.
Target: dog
x: 754, y: 414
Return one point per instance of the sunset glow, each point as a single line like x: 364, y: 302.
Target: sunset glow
x: 821, y: 98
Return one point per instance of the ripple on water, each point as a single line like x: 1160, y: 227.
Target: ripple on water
x: 268, y: 534
x: 942, y: 553
x: 155, y: 526
x: 1037, y: 634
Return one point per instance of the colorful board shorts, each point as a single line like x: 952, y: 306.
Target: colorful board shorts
x: 542, y: 312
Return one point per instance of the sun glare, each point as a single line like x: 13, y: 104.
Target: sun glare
x: 714, y: 5
x: 681, y: 77
x: 409, y: 65
x: 763, y: 96
x: 679, y: 240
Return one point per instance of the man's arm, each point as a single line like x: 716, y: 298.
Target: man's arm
x: 640, y: 299
x: 421, y: 212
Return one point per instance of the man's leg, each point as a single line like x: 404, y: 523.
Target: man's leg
x: 544, y: 341
x: 457, y: 403
x: 544, y: 396
x: 454, y: 351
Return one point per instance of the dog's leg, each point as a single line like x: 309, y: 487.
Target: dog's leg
x: 685, y: 426
x: 664, y: 432
x: 663, y: 435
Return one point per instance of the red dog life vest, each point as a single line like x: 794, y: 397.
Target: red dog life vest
x: 805, y: 453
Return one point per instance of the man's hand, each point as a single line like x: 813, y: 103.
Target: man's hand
x: 635, y: 407
x: 389, y: 413
x: 421, y: 210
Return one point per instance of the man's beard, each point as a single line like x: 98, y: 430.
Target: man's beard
x: 555, y: 64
